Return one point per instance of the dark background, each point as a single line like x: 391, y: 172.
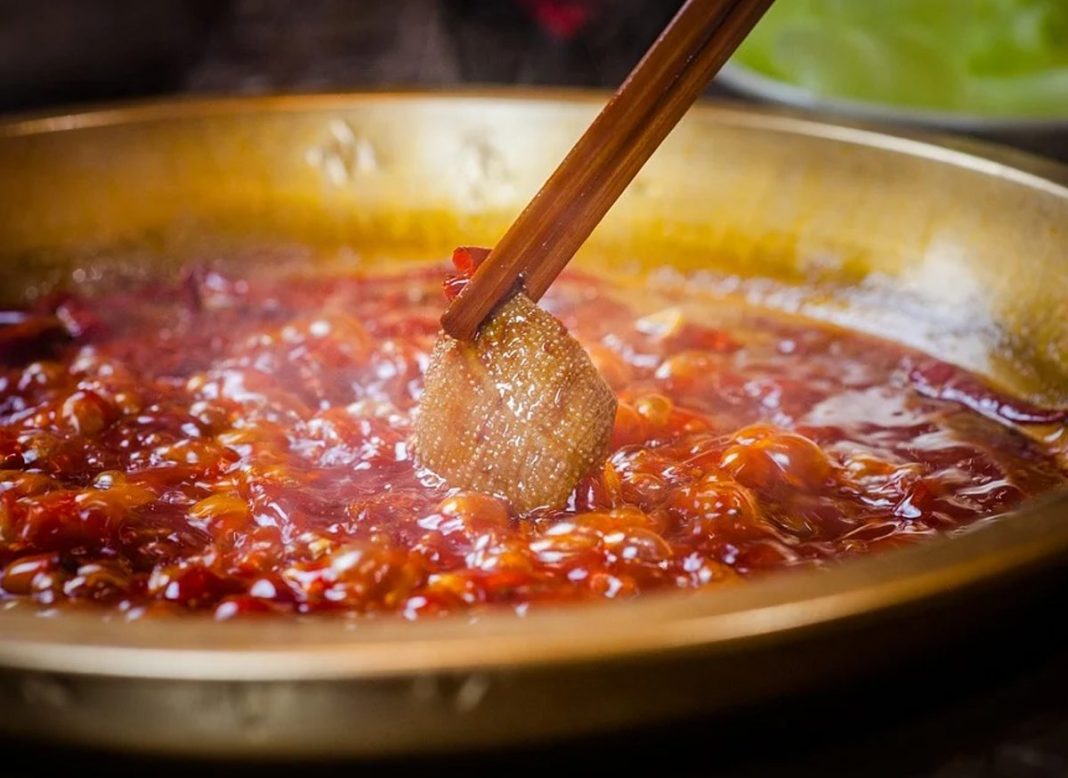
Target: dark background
x: 67, y: 51
x: 991, y: 704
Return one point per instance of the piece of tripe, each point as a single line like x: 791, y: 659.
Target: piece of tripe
x: 520, y: 412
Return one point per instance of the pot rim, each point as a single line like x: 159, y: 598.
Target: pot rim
x: 725, y: 620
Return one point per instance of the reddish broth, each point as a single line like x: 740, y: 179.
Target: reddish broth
x: 238, y: 445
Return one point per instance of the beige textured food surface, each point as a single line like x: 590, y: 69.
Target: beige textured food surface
x: 521, y: 412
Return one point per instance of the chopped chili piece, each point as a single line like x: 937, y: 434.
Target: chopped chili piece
x: 466, y: 260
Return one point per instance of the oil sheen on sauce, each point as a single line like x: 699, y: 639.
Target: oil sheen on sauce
x: 238, y: 445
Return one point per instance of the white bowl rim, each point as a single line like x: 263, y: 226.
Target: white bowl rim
x: 746, y: 80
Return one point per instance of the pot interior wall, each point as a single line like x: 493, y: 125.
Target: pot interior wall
x: 951, y: 252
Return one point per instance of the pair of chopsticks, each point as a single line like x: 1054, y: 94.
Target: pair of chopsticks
x: 657, y: 93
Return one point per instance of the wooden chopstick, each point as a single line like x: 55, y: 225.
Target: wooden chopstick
x: 657, y: 93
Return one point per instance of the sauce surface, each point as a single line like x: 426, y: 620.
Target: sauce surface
x: 239, y: 445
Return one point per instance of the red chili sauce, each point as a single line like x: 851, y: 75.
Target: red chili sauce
x: 238, y: 445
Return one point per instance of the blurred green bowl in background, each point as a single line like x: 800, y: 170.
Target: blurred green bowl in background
x: 997, y: 68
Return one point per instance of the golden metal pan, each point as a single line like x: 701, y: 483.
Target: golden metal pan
x: 960, y: 250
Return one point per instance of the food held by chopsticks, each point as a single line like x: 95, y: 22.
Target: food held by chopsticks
x: 519, y: 412
x: 512, y: 403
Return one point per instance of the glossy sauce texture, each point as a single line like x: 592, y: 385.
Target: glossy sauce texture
x: 239, y: 445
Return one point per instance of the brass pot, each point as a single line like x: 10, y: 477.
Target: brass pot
x: 961, y: 251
